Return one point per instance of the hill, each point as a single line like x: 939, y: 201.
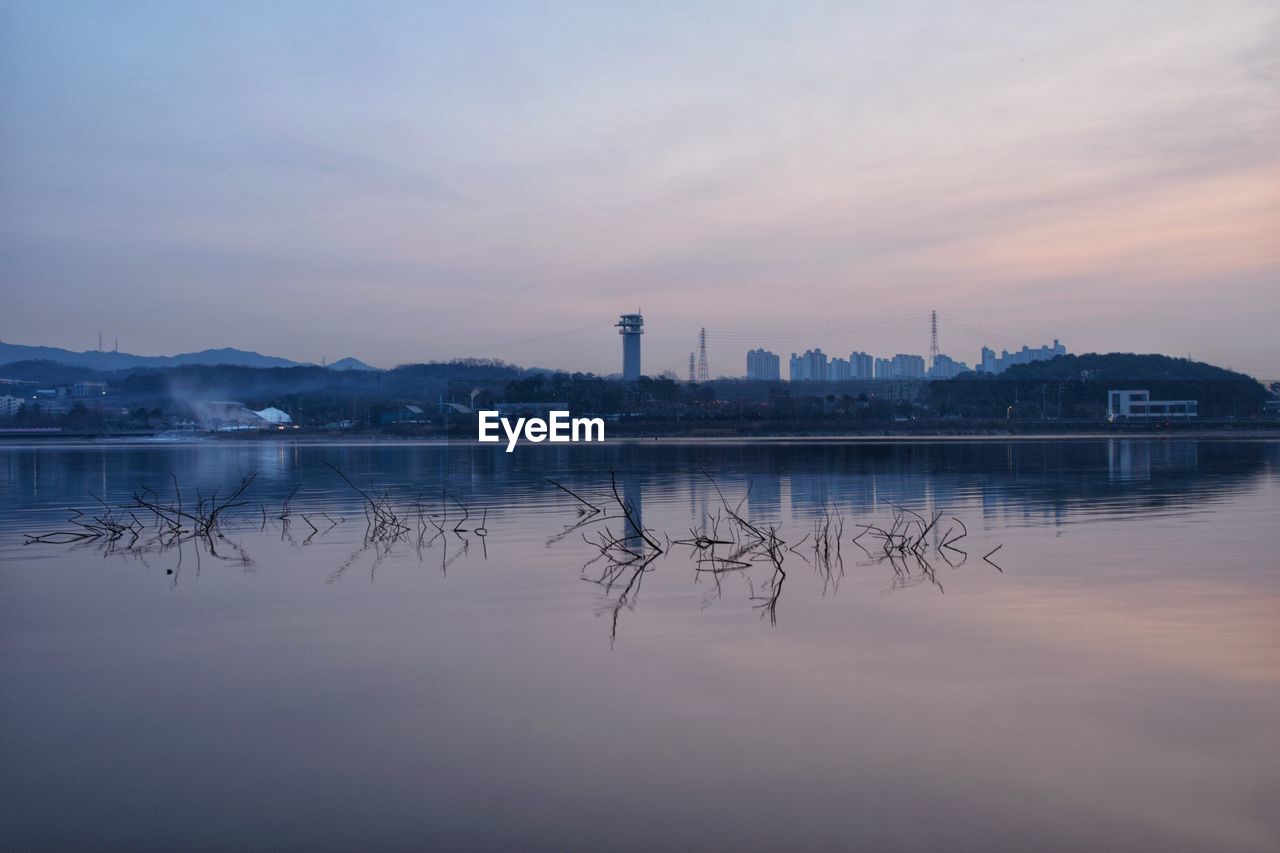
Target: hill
x: 350, y: 363
x: 51, y: 373
x: 96, y: 360
x: 1119, y: 366
x: 1076, y: 386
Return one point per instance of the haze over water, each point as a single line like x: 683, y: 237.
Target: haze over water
x: 1110, y: 679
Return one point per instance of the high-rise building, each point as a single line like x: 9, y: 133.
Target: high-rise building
x: 993, y: 364
x: 862, y: 365
x: 763, y: 365
x: 810, y: 367
x: 814, y: 366
x: 818, y: 367
x: 908, y: 366
x: 946, y: 367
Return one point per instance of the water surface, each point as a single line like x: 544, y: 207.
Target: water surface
x: 1108, y: 678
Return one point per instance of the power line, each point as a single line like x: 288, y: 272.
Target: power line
x: 987, y: 331
x: 529, y: 340
x: 767, y: 336
x: 791, y: 330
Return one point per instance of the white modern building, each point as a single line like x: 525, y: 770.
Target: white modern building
x: 1138, y: 404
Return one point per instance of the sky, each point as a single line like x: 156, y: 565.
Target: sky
x: 419, y: 181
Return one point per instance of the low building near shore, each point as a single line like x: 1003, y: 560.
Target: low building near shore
x: 1123, y: 405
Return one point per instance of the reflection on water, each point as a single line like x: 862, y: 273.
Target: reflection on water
x: 1130, y: 459
x: 844, y: 631
x: 1048, y: 479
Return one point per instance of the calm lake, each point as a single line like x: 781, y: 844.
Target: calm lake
x: 1049, y: 645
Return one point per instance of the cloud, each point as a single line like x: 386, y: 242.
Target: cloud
x: 721, y: 166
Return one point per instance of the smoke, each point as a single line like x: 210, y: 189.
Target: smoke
x: 209, y: 406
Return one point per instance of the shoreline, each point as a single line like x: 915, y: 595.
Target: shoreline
x: 375, y: 440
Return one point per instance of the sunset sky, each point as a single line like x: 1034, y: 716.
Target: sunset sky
x: 407, y: 182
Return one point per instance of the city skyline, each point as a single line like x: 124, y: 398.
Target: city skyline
x: 404, y: 184
x: 760, y: 362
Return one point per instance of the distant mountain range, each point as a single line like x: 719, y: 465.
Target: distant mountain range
x: 98, y: 360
